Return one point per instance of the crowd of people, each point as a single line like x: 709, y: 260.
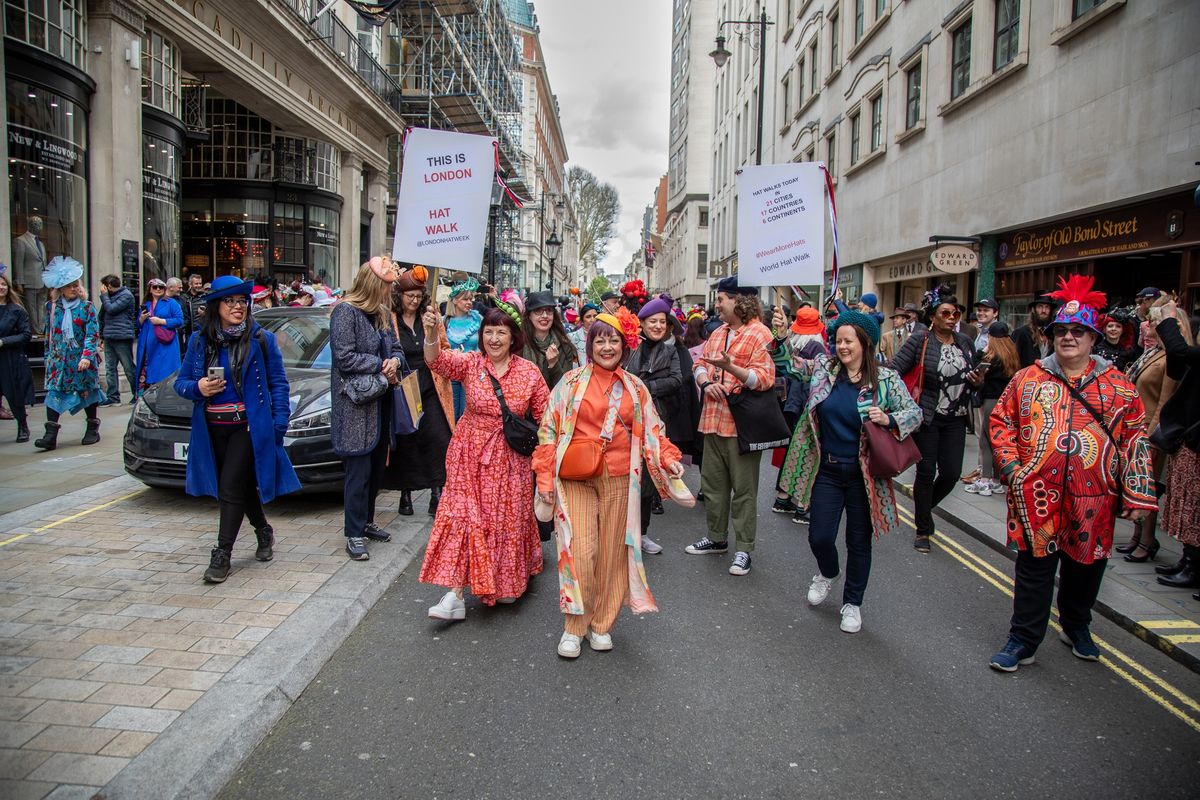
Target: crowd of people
x: 545, y: 418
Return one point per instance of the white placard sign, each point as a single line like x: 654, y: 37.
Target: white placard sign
x: 445, y: 194
x: 781, y: 225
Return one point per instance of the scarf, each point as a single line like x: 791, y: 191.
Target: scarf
x: 1135, y: 369
x: 225, y: 336
x: 652, y: 357
x: 68, y: 325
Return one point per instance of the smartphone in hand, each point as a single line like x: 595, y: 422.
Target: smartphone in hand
x: 216, y: 373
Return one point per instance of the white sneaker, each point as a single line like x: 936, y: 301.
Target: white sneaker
x: 997, y: 487
x: 819, y: 589
x: 600, y: 641
x: 985, y: 488
x: 851, y: 618
x: 568, y: 645
x: 650, y: 546
x: 974, y: 486
x: 741, y: 563
x: 451, y: 606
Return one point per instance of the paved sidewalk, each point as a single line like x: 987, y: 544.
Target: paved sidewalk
x: 1167, y: 618
x: 122, y: 672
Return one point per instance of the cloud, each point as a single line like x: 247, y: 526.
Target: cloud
x: 609, y: 64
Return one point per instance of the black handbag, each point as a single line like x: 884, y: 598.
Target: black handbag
x: 521, y: 433
x: 362, y: 389
x: 759, y: 420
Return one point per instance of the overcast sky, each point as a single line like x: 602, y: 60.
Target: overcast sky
x: 609, y: 63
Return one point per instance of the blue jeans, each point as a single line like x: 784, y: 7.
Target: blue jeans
x: 118, y: 350
x: 840, y: 486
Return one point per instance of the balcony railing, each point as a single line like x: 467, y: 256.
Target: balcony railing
x: 343, y: 43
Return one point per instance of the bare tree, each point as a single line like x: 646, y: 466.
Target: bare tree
x: 596, y: 209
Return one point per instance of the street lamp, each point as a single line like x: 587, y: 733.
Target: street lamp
x: 721, y: 55
x: 553, y: 246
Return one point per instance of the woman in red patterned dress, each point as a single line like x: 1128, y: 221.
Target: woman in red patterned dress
x: 484, y: 536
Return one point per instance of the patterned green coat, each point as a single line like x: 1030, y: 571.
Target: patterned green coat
x: 803, y: 457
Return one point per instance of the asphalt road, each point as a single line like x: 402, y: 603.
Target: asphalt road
x: 737, y: 688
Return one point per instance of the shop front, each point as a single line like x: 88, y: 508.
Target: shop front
x: 1152, y: 243
x: 906, y: 280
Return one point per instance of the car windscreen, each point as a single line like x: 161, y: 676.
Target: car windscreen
x: 303, y: 339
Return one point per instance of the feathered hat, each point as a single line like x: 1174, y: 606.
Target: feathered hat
x: 1080, y: 304
x: 626, y: 324
x: 61, y: 271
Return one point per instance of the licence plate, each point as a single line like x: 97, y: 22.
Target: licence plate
x: 181, y: 449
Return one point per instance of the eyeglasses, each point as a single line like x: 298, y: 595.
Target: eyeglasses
x: 1076, y: 331
x: 235, y: 302
x: 953, y: 313
x: 157, y: 288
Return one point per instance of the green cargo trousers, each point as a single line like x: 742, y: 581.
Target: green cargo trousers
x: 724, y: 471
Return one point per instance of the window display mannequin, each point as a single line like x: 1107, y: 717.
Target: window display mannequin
x: 29, y: 259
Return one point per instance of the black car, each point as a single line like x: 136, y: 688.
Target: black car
x: 156, y: 440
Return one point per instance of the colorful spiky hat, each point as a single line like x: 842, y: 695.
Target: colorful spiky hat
x: 510, y: 303
x: 1080, y: 304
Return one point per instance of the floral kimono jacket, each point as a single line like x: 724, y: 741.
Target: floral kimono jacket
x: 803, y: 458
x: 648, y: 444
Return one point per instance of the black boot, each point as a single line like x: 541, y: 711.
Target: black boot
x: 22, y: 431
x: 266, y: 541
x: 1186, y: 578
x: 656, y: 506
x: 435, y: 497
x: 1176, y: 568
x: 405, y: 509
x: 50, y: 440
x: 218, y: 567
x: 92, y: 434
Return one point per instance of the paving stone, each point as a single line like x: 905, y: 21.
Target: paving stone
x: 14, y: 708
x: 214, y: 630
x: 80, y: 769
x: 167, y: 626
x: 128, y: 718
x: 193, y: 601
x: 70, y: 739
x: 73, y: 792
x: 62, y: 689
x: 119, y: 638
x: 256, y: 620
x: 149, y: 611
x: 117, y: 655
x: 214, y: 615
x: 58, y: 668
x: 80, y: 561
x: 10, y: 665
x: 123, y: 673
x: 175, y: 658
x: 253, y: 634
x: 64, y: 650
x: 62, y: 712
x: 16, y: 734
x: 179, y: 699
x: 221, y: 663
x: 106, y: 621
x: 222, y: 647
x: 128, y: 744
x: 24, y: 790
x: 93, y: 594
x: 16, y: 764
x: 185, y: 679
x: 123, y: 694
x: 165, y: 641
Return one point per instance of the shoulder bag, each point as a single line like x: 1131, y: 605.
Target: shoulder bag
x: 914, y: 379
x: 520, y: 432
x: 361, y: 388
x: 758, y: 417
x: 161, y: 332
x: 888, y: 456
x: 584, y: 458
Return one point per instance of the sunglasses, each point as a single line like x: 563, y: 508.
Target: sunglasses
x: 1076, y: 331
x: 157, y: 287
x: 953, y: 313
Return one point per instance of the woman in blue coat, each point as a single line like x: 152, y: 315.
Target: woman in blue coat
x: 157, y: 359
x: 239, y: 420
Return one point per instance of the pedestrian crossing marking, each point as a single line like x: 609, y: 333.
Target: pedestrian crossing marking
x: 1169, y: 623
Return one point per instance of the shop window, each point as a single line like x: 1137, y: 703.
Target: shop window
x: 960, y: 59
x: 57, y: 27
x: 240, y: 239
x: 162, y: 248
x: 161, y: 82
x: 1008, y: 17
x: 287, y: 241
x: 47, y: 185
x: 323, y: 232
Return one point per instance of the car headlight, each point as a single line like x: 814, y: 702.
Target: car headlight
x: 143, y: 415
x: 316, y: 421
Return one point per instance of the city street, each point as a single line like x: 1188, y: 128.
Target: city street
x: 737, y: 688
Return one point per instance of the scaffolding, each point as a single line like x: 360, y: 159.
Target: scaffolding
x: 458, y: 64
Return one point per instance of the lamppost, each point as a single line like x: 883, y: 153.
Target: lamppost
x: 553, y: 246
x: 722, y: 54
x: 497, y: 202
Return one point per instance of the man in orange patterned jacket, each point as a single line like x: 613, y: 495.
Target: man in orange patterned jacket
x: 1069, y: 439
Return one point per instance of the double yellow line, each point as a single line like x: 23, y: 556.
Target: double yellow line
x: 73, y: 517
x: 1149, y: 684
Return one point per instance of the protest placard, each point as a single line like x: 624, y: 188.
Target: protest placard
x: 445, y: 193
x: 781, y: 225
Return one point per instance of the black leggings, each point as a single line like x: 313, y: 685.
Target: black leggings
x: 237, y: 484
x: 52, y: 415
